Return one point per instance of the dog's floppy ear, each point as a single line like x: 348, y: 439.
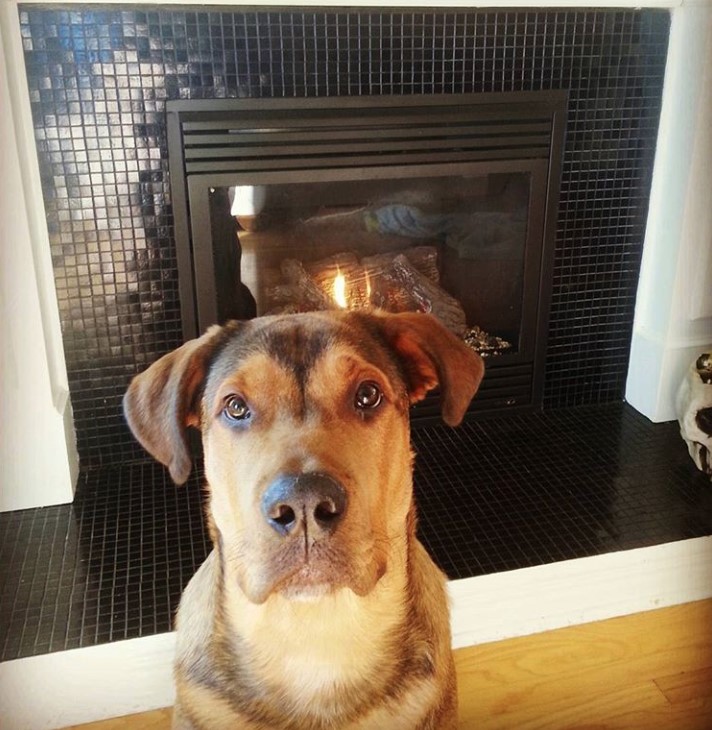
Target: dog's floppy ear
x: 161, y: 403
x: 431, y: 355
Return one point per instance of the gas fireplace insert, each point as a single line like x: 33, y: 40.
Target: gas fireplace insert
x: 443, y: 204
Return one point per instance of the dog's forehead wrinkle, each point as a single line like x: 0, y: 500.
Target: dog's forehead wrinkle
x: 298, y: 344
x: 297, y: 348
x: 303, y: 339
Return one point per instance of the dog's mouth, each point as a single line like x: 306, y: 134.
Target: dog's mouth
x: 309, y: 581
x: 303, y: 570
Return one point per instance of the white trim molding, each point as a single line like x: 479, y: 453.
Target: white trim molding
x: 517, y: 603
x: 83, y: 685
x: 673, y: 316
x: 38, y: 449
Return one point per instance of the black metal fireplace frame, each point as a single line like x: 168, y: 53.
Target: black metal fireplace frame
x: 213, y: 143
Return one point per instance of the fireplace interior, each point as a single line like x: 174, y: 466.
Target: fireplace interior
x: 566, y: 470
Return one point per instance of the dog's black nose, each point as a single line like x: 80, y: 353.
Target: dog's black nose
x: 315, y: 501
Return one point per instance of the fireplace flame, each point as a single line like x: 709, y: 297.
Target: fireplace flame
x: 340, y: 290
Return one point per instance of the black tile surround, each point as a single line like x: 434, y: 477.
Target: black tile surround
x: 494, y: 495
x: 98, y: 81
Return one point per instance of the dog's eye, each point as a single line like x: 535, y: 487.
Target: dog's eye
x: 236, y: 409
x: 368, y: 395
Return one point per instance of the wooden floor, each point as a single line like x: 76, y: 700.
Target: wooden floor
x: 650, y: 671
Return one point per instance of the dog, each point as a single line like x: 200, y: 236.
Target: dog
x: 318, y: 607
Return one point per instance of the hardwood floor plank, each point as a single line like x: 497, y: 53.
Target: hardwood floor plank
x: 531, y: 707
x: 687, y: 686
x: 154, y: 720
x: 678, y: 638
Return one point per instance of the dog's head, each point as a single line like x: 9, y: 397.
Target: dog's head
x: 304, y: 421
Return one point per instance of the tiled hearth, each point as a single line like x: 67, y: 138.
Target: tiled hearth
x: 493, y: 496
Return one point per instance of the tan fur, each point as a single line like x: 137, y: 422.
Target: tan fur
x: 348, y: 631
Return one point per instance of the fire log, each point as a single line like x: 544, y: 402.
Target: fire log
x: 430, y: 297
x: 309, y: 292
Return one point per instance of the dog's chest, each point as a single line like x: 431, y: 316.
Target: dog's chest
x: 317, y: 649
x: 406, y: 712
x: 351, y: 685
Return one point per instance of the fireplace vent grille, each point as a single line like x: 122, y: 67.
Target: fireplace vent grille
x: 274, y: 138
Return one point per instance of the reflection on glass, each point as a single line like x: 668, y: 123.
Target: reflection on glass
x: 452, y: 246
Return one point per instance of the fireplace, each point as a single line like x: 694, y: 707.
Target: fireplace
x: 99, y: 84
x: 442, y: 205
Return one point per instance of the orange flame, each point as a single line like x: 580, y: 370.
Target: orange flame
x: 340, y: 290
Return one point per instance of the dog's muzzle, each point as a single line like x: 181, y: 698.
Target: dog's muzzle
x: 313, y: 503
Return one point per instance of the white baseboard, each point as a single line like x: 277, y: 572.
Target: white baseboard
x: 521, y: 602
x: 82, y: 685
x: 655, y: 371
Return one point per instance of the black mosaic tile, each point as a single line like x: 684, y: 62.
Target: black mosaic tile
x: 98, y: 81
x: 111, y: 566
x: 494, y: 495
x: 569, y: 483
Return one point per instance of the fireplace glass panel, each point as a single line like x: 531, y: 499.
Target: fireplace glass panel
x: 450, y: 245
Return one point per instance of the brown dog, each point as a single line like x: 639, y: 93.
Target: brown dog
x: 318, y: 608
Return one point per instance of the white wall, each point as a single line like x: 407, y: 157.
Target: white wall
x: 673, y: 319
x: 38, y: 464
